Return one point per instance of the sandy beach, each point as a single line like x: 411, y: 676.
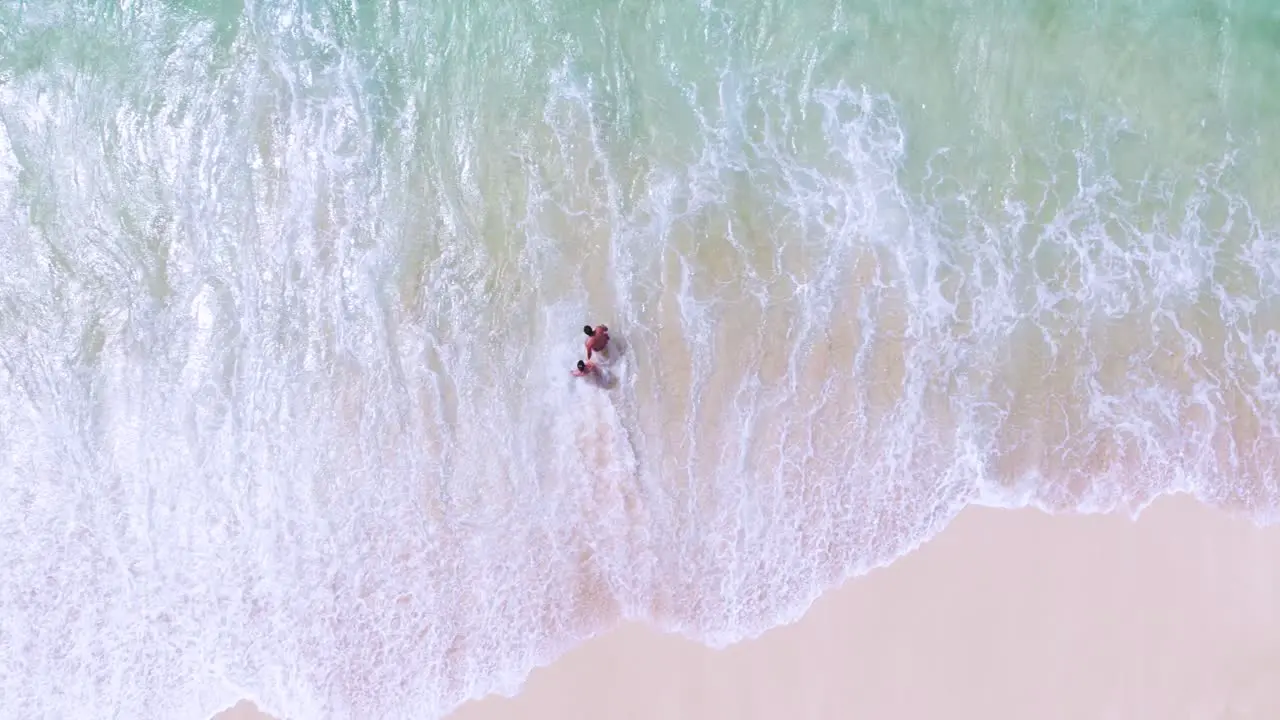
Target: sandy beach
x: 1006, y: 614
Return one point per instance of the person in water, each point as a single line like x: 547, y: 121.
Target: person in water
x: 597, y: 339
x: 584, y: 368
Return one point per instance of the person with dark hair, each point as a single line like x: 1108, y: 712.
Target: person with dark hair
x: 584, y: 368
x: 597, y: 339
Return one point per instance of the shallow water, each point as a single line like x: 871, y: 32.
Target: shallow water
x: 291, y: 292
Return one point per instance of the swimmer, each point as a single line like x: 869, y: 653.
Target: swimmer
x: 584, y: 368
x: 597, y: 339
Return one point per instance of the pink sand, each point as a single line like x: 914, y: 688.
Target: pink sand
x: 1006, y: 614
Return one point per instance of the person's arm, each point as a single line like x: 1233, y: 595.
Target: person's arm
x: 588, y: 344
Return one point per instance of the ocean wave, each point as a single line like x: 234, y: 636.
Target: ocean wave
x: 291, y: 300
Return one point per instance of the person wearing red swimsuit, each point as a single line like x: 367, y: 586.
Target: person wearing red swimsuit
x: 597, y: 338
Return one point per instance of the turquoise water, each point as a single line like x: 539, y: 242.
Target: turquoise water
x: 290, y: 293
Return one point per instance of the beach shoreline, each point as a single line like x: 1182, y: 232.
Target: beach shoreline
x: 1005, y: 614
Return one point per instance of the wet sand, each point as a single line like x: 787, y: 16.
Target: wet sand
x: 1006, y: 614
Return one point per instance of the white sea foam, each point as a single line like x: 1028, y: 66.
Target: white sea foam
x: 286, y: 339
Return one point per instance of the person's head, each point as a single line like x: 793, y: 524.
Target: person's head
x: 582, y: 367
x: 587, y: 329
